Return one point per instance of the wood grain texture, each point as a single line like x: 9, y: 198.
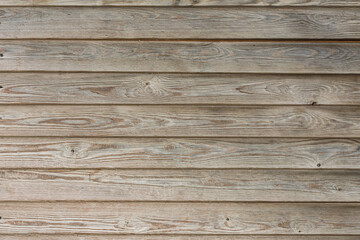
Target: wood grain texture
x: 179, y: 3
x: 180, y: 218
x: 148, y: 56
x: 172, y: 153
x: 201, y: 121
x: 135, y: 88
x: 179, y: 23
x: 181, y: 185
x: 170, y: 237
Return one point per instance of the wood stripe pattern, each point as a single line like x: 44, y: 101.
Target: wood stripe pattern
x: 180, y: 119
x: 194, y: 57
x: 179, y: 153
x: 183, y: 23
x: 181, y: 185
x: 175, y: 3
x: 180, y: 218
x: 157, y: 88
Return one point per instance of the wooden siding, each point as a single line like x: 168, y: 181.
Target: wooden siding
x: 169, y: 3
x: 157, y: 88
x: 169, y: 237
x: 181, y: 185
x: 180, y: 119
x: 181, y: 56
x: 179, y: 153
x: 180, y: 218
x: 184, y: 23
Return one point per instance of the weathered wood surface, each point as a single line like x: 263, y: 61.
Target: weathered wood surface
x: 172, y: 153
x: 171, y: 237
x: 168, y: 237
x: 152, y: 88
x: 201, y: 121
x: 180, y: 218
x: 165, y: 56
x: 179, y: 23
x: 181, y: 185
x: 179, y: 3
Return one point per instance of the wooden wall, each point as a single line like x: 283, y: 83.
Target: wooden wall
x: 180, y: 119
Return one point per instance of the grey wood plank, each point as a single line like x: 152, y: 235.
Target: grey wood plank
x: 179, y: 153
x: 180, y: 218
x: 181, y: 185
x: 179, y: 3
x: 162, y: 56
x: 151, y: 88
x: 180, y: 121
x: 179, y: 23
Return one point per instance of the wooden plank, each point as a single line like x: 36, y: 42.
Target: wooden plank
x: 179, y: 23
x: 171, y: 237
x: 180, y: 218
x: 179, y: 3
x: 163, y: 56
x: 181, y: 185
x: 159, y: 153
x: 195, y: 121
x: 137, y: 88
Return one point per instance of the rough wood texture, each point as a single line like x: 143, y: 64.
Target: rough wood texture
x: 210, y: 121
x: 179, y: 3
x: 180, y: 218
x: 124, y: 88
x: 170, y: 237
x: 52, y: 153
x: 181, y: 185
x: 148, y: 56
x: 183, y: 23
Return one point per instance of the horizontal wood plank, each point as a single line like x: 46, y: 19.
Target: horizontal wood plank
x: 179, y: 3
x: 137, y: 88
x: 180, y: 218
x: 181, y: 185
x: 183, y: 23
x: 195, y: 121
x: 172, y: 153
x: 170, y: 237
x: 162, y: 56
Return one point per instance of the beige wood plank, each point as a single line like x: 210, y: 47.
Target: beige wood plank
x: 171, y: 237
x: 163, y: 56
x: 181, y: 153
x: 209, y: 121
x: 137, y: 88
x: 179, y: 3
x: 180, y: 218
x: 179, y: 23
x: 181, y: 185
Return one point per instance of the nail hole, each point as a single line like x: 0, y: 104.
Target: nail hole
x: 227, y: 219
x: 0, y: 217
x: 147, y: 84
x: 72, y: 150
x: 319, y: 165
x: 1, y: 55
x: 1, y: 86
x: 299, y: 231
x: 313, y: 103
